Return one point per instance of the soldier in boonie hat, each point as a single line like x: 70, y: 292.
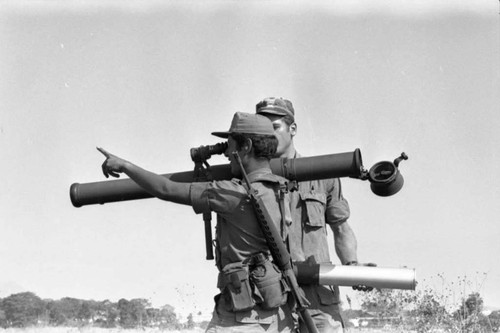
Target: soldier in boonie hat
x: 248, y: 123
x: 250, y: 135
x: 239, y: 237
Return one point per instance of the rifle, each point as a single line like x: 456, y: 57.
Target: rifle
x: 279, y: 253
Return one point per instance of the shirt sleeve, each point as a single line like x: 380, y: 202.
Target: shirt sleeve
x: 337, y: 210
x: 216, y: 196
x: 199, y: 197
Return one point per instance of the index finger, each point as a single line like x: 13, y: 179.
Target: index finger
x: 104, y: 152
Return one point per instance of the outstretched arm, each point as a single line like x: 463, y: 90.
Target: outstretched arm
x: 157, y: 185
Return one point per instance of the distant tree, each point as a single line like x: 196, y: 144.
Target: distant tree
x: 3, y: 318
x: 153, y: 315
x: 70, y: 308
x: 139, y: 314
x: 471, y: 305
x: 168, y: 318
x: 107, y: 314
x: 55, y: 312
x: 23, y: 309
x: 86, y: 311
x: 494, y: 320
x: 125, y: 316
x: 190, y: 321
x: 470, y: 314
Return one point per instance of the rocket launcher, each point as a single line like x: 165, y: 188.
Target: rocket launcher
x: 384, y: 177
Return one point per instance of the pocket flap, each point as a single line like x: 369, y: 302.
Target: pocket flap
x: 314, y: 204
x: 308, y: 196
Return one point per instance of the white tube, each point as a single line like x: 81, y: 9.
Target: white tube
x: 377, y: 277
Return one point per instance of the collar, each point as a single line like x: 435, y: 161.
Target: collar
x: 264, y: 174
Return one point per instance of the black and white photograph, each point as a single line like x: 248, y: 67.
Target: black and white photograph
x: 249, y: 166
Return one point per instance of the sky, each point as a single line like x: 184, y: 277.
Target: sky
x: 148, y: 80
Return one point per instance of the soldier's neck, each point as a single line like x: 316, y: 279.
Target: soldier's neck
x: 290, y: 152
x: 257, y: 164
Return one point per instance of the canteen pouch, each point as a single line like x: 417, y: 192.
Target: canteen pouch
x: 237, y: 291
x: 270, y: 289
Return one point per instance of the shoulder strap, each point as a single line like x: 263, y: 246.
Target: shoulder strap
x: 281, y: 187
x: 281, y: 191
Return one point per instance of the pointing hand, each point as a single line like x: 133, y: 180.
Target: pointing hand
x: 112, y: 165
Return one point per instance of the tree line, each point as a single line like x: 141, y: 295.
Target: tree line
x: 27, y: 309
x: 421, y: 311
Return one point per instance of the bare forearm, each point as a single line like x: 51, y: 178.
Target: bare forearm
x: 157, y: 185
x: 345, y: 243
x: 153, y: 183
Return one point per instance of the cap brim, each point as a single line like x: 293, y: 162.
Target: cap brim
x: 275, y: 112
x: 223, y: 135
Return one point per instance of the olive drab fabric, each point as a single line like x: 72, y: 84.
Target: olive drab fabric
x: 238, y: 238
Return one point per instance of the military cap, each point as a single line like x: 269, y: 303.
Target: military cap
x: 275, y: 105
x: 249, y: 124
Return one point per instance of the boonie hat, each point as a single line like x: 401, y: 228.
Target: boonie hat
x: 275, y: 105
x: 248, y: 123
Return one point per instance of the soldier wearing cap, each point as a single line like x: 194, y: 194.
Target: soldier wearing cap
x: 315, y: 205
x: 241, y: 249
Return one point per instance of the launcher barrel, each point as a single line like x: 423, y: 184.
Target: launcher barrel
x: 300, y: 169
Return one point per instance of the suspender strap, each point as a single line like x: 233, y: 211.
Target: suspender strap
x: 281, y: 200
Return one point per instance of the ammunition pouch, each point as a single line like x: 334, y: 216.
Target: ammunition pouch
x: 254, y: 282
x: 237, y: 290
x: 270, y: 289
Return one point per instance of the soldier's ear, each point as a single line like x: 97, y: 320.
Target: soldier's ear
x: 247, y: 146
x: 293, y: 129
